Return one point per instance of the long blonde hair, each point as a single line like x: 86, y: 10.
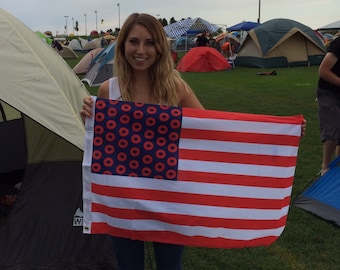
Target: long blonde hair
x: 164, y: 78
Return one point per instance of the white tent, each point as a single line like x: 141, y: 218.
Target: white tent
x: 43, y: 72
x: 40, y: 99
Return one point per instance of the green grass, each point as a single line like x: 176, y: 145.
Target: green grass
x: 307, y: 242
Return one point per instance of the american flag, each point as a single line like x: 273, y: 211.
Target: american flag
x: 188, y: 176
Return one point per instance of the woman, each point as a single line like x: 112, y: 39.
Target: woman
x: 144, y: 72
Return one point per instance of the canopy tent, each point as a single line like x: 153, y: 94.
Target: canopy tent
x: 42, y: 133
x: 182, y: 44
x: 187, y: 26
x: 243, y: 26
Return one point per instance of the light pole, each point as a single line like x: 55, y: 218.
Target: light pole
x: 73, y: 25
x: 85, y: 25
x: 118, y: 5
x: 66, y: 25
x: 96, y: 21
x: 258, y: 19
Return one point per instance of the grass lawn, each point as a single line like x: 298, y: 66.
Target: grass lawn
x: 307, y: 242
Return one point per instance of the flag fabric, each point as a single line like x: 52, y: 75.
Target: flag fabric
x: 188, y: 176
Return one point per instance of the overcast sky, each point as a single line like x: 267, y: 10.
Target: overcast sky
x: 42, y: 15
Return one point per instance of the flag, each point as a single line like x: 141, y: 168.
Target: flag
x: 188, y: 176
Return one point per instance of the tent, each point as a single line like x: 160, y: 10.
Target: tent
x: 182, y: 44
x: 75, y: 45
x: 41, y: 136
x: 68, y: 53
x: 189, y: 26
x: 101, y: 68
x: 203, y: 59
x: 243, y: 26
x: 84, y: 64
x: 280, y: 43
x: 331, y: 26
x: 92, y: 44
x: 227, y: 37
x: 44, y: 37
x: 322, y: 198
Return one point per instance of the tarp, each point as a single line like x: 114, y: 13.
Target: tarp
x: 196, y: 25
x: 203, y: 59
x: 245, y: 26
x: 280, y: 43
x: 322, y: 198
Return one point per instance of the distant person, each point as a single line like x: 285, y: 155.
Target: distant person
x: 227, y: 49
x: 202, y: 40
x: 57, y: 46
x: 212, y: 42
x: 328, y: 98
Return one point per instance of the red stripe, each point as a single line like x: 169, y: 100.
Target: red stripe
x: 237, y: 158
x: 174, y: 238
x: 187, y: 220
x: 233, y: 179
x: 187, y: 198
x: 210, y: 114
x: 274, y: 139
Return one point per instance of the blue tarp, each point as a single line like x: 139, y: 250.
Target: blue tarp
x: 245, y: 26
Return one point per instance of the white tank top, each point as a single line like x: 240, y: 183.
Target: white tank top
x: 114, y: 90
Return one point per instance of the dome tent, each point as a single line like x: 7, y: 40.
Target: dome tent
x: 42, y: 136
x: 203, y: 59
x: 280, y: 43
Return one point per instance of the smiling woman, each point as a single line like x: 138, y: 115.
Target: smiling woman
x: 144, y: 73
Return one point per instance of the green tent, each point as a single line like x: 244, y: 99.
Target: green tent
x: 44, y: 37
x: 280, y: 43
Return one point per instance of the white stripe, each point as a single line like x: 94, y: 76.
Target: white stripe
x: 152, y: 225
x: 237, y: 147
x: 191, y: 209
x: 192, y: 187
x: 235, y: 168
x: 241, y: 126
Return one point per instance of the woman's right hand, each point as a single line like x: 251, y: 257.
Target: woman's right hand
x: 86, y: 110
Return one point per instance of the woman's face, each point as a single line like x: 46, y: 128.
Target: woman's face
x: 140, y: 50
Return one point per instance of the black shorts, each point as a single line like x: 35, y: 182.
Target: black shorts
x: 329, y: 117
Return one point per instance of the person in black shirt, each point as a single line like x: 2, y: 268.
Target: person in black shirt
x: 202, y: 40
x: 328, y: 98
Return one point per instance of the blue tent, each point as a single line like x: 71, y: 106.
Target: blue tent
x: 322, y: 198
